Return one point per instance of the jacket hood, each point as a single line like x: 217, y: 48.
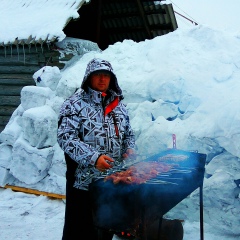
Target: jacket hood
x: 98, y: 64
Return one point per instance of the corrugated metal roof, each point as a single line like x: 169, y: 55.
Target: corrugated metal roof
x: 137, y: 20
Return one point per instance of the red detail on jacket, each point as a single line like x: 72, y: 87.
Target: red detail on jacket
x: 111, y: 106
x: 109, y: 109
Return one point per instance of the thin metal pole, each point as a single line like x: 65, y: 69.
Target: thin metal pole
x: 186, y: 18
x: 201, y: 211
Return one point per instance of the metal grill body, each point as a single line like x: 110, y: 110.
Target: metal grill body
x: 131, y: 208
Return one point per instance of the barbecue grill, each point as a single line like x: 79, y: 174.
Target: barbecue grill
x: 133, y: 207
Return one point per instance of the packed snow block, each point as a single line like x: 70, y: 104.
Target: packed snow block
x: 221, y: 182
x: 58, y: 166
x: 18, y: 112
x: 12, y: 131
x: 40, y: 126
x: 5, y: 177
x: 150, y: 111
x: 29, y: 164
x: 5, y: 155
x: 55, y: 103
x: 67, y: 87
x: 224, y: 162
x: 165, y: 109
x: 187, y: 106
x: 220, y: 203
x: 47, y: 77
x: 169, y: 91
x: 32, y: 96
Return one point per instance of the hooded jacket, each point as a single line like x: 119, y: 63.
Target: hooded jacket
x: 91, y: 124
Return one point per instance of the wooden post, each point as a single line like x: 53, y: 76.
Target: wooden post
x: 36, y: 192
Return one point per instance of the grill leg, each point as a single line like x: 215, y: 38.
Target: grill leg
x: 201, y: 211
x: 143, y: 232
x: 159, y: 228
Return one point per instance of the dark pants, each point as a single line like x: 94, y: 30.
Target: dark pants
x: 78, y: 217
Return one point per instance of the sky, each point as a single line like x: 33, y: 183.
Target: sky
x: 218, y: 14
x: 184, y: 83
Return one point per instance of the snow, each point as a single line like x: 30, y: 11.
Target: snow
x: 218, y: 14
x: 184, y: 83
x: 42, y: 24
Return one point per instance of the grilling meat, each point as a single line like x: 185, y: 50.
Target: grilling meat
x: 139, y: 173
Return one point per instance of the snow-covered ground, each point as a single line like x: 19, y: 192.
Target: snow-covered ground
x: 25, y: 217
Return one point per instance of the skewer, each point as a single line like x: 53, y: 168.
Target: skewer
x: 155, y: 181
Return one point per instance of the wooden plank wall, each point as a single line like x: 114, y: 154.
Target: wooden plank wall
x: 17, y: 66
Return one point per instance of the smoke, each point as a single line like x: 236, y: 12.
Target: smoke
x: 121, y: 207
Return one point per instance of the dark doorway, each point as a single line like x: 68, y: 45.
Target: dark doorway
x: 89, y: 26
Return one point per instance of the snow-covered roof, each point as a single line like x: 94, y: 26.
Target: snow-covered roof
x: 31, y: 21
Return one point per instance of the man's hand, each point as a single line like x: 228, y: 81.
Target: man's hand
x: 103, y: 163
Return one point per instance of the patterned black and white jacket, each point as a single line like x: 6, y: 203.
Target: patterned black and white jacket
x: 88, y: 127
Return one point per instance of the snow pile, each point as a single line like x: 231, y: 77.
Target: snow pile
x: 48, y: 19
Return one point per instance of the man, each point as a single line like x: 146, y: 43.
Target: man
x: 94, y: 132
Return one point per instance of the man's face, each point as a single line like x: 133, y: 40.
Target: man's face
x: 99, y: 81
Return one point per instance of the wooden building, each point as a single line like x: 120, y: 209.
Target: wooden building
x: 17, y: 66
x: 104, y: 22
x: 111, y: 21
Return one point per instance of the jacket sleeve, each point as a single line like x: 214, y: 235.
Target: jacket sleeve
x: 129, y: 137
x: 68, y: 139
